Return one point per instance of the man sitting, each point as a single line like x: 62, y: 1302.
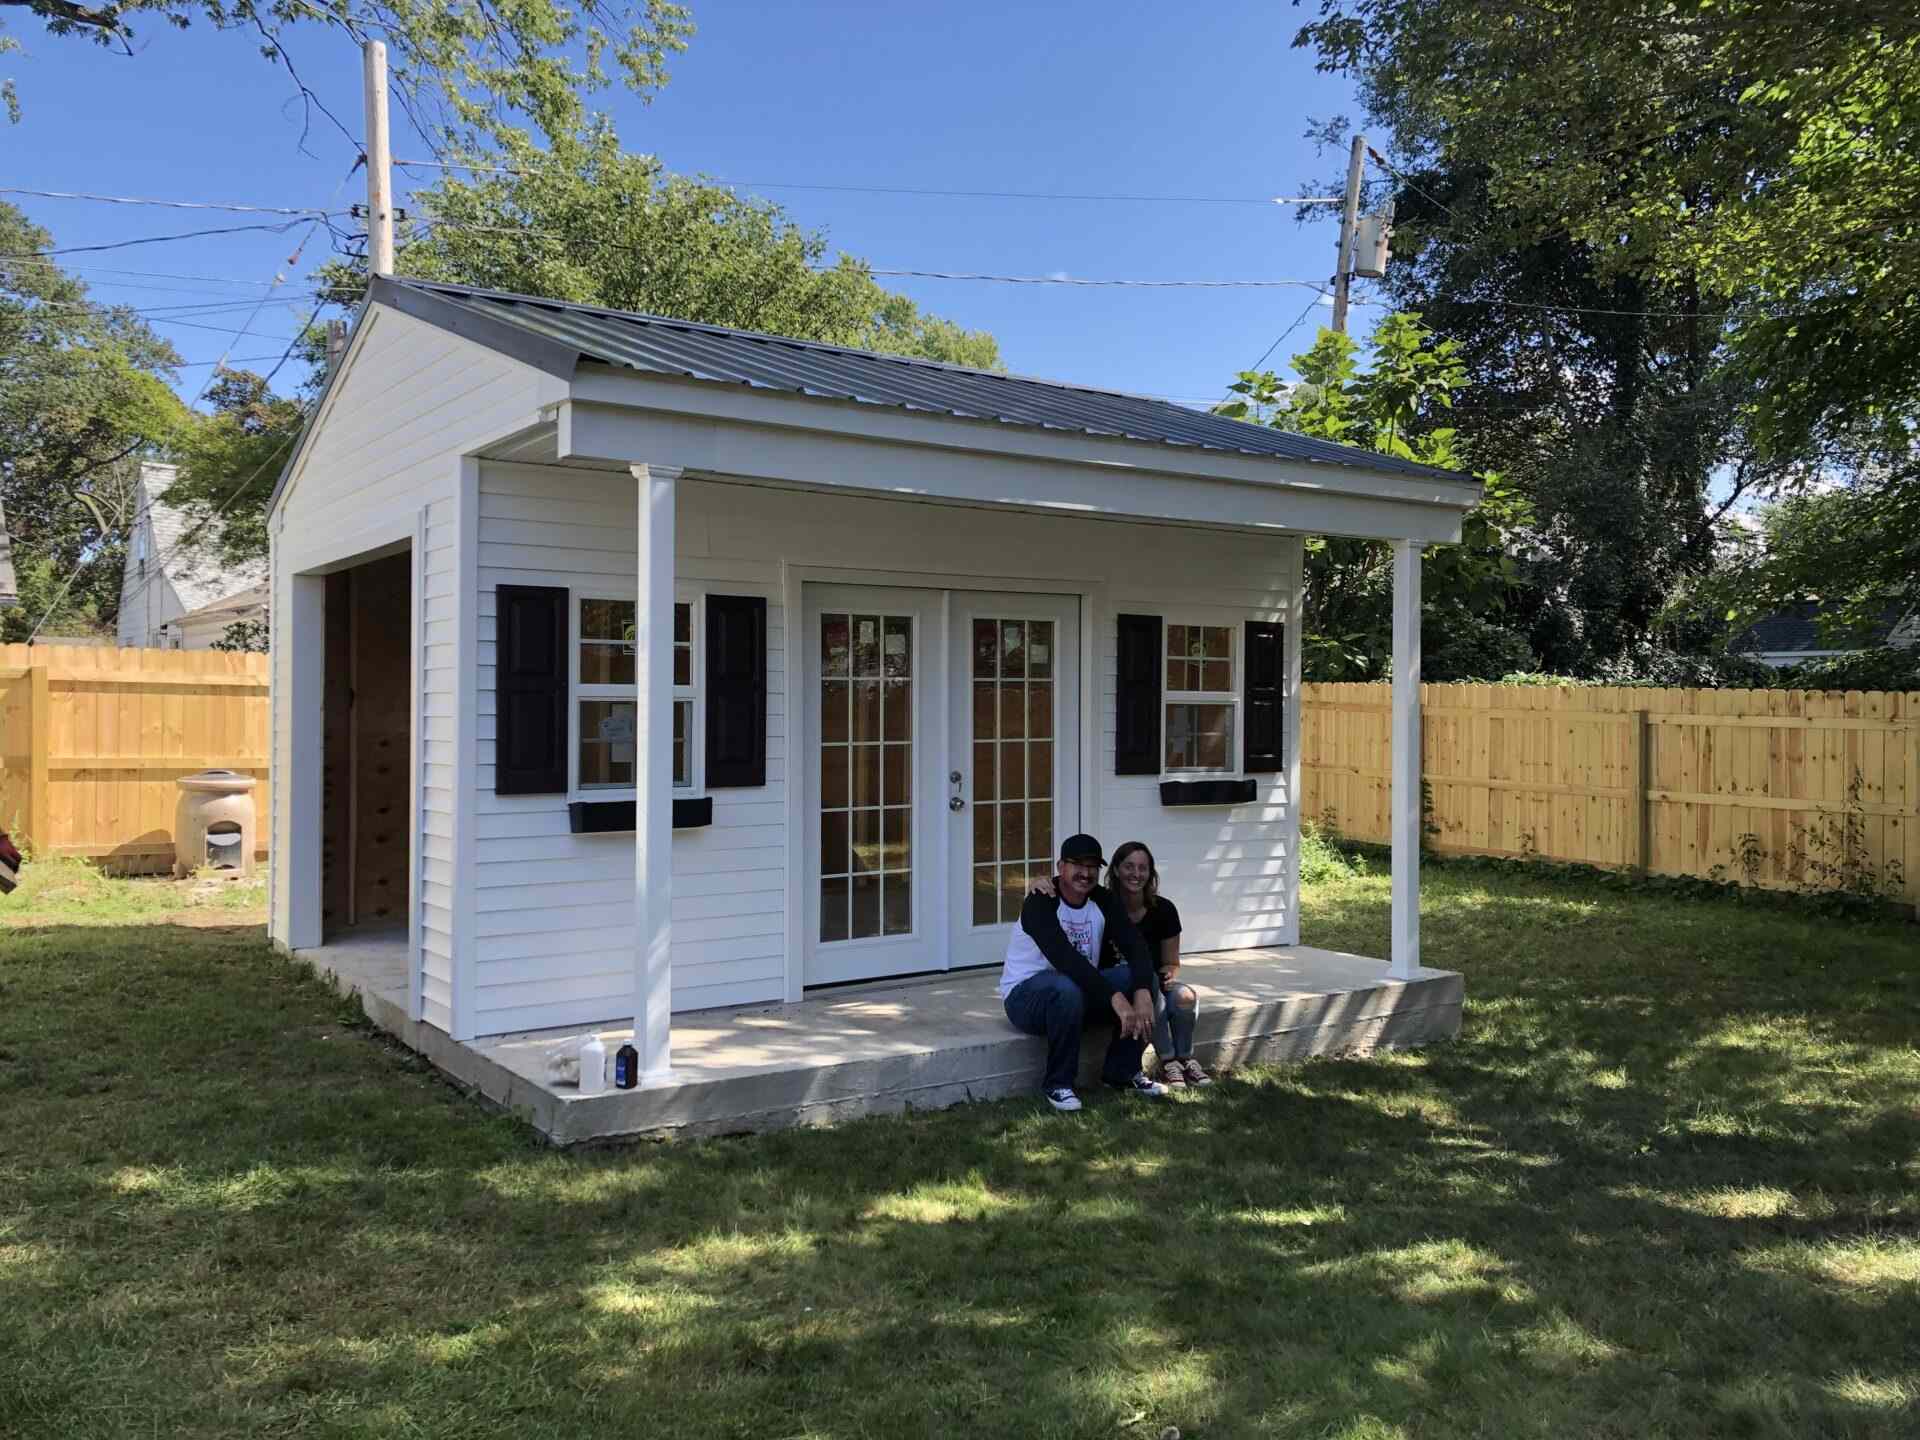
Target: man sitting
x: 1052, y: 985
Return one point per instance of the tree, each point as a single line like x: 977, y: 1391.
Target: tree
x: 588, y: 223
x: 1744, y: 166
x: 465, y: 74
x: 1396, y: 407
x: 83, y: 395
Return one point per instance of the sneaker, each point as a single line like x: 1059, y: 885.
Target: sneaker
x: 1173, y: 1072
x: 1195, y: 1075
x: 1140, y: 1085
x: 1063, y: 1099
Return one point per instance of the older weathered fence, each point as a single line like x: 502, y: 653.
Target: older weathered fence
x: 1669, y: 781
x: 92, y: 740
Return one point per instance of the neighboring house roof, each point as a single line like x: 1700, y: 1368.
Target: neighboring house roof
x: 556, y: 336
x: 243, y: 606
x: 9, y: 591
x: 1796, y: 631
x: 187, y: 558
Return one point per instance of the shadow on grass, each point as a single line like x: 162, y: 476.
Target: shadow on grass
x: 1664, y: 1185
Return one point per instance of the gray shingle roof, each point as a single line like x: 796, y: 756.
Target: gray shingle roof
x: 653, y: 345
x: 1796, y: 630
x: 190, y: 561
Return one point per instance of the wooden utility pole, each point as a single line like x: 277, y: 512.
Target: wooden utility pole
x: 380, y: 163
x: 1349, y: 216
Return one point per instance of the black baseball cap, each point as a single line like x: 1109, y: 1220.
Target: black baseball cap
x: 1082, y: 850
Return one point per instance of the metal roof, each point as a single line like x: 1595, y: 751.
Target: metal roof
x: 654, y: 345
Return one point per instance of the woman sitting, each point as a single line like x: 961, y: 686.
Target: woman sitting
x: 1132, y: 876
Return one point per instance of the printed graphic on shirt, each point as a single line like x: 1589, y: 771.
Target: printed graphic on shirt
x: 1080, y: 929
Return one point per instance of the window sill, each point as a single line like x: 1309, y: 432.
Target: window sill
x: 1208, y: 792
x: 618, y: 817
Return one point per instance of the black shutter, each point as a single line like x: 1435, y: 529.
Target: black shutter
x: 1266, y: 696
x: 530, y: 745
x: 1136, y: 720
x: 736, y: 683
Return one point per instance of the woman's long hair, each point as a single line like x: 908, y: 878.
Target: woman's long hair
x: 1152, y: 893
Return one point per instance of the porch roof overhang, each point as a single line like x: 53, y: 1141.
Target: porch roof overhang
x: 733, y: 405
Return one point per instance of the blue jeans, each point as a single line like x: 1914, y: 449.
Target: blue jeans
x: 1175, y: 1008
x: 1050, y: 1004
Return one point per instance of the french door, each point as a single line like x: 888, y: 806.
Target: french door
x: 1015, y: 772
x: 941, y: 772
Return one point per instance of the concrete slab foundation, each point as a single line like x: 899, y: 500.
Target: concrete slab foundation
x: 896, y: 1045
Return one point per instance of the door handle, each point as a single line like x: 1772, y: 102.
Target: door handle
x: 956, y: 803
x: 955, y: 779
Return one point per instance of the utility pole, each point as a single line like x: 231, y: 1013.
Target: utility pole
x: 1343, y: 270
x: 336, y: 344
x: 380, y: 163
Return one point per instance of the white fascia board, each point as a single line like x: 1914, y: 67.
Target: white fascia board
x: 598, y: 433
x: 611, y: 385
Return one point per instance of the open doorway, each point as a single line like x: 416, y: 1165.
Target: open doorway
x: 365, y: 767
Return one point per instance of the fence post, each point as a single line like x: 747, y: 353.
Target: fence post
x: 39, y: 734
x: 1912, y: 867
x: 1639, y: 841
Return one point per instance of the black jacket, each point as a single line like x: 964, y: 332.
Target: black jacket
x: 1040, y: 918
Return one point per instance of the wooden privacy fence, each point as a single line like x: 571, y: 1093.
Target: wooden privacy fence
x: 1668, y: 781
x: 92, y: 740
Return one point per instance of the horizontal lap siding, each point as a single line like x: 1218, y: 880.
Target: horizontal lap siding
x: 555, y: 909
x: 412, y: 401
x: 555, y: 915
x: 1226, y: 867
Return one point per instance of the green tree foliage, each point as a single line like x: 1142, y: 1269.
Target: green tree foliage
x: 463, y: 72
x: 1397, y: 406
x: 583, y: 222
x: 1747, y: 166
x: 587, y: 222
x: 83, y: 395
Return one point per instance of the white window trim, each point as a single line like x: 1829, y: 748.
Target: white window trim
x: 577, y: 692
x: 1232, y: 697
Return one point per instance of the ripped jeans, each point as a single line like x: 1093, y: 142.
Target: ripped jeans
x: 1175, y: 1008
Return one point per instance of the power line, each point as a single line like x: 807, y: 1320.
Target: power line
x: 280, y: 229
x: 145, y: 274
x: 302, y: 212
x: 1073, y: 280
x: 929, y: 192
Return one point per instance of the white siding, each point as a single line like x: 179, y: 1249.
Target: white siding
x: 554, y: 916
x: 412, y: 401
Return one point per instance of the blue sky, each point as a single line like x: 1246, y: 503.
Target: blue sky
x: 1067, y: 97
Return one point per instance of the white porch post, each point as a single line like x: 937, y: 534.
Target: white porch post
x: 1406, y: 759
x: 653, y: 774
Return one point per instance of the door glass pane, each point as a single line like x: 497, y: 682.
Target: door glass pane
x: 1039, y: 649
x: 866, y: 908
x: 986, y: 649
x: 866, y: 786
x: 986, y: 895
x: 1013, y: 762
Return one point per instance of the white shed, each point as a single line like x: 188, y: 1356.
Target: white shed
x: 630, y: 667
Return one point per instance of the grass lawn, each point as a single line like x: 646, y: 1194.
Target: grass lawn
x: 1665, y: 1184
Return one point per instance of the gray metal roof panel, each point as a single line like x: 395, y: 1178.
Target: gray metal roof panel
x: 655, y: 345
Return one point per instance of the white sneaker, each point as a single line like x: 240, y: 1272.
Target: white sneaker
x: 1063, y: 1099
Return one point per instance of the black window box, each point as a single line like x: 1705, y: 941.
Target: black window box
x: 1208, y: 792
x: 615, y: 817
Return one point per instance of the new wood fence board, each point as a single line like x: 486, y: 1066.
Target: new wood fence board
x: 1667, y: 780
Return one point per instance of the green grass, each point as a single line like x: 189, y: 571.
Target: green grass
x: 1664, y: 1185
x: 69, y: 891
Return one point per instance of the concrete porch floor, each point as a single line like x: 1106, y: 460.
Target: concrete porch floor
x: 922, y: 1043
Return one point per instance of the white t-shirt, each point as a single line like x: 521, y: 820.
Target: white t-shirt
x: 1085, y: 928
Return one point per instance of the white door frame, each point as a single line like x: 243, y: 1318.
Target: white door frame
x: 1095, y: 618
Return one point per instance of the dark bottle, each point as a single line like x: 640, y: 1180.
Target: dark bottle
x: 626, y: 1068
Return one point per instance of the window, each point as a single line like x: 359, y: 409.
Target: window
x: 1202, y: 699
x: 604, y: 705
